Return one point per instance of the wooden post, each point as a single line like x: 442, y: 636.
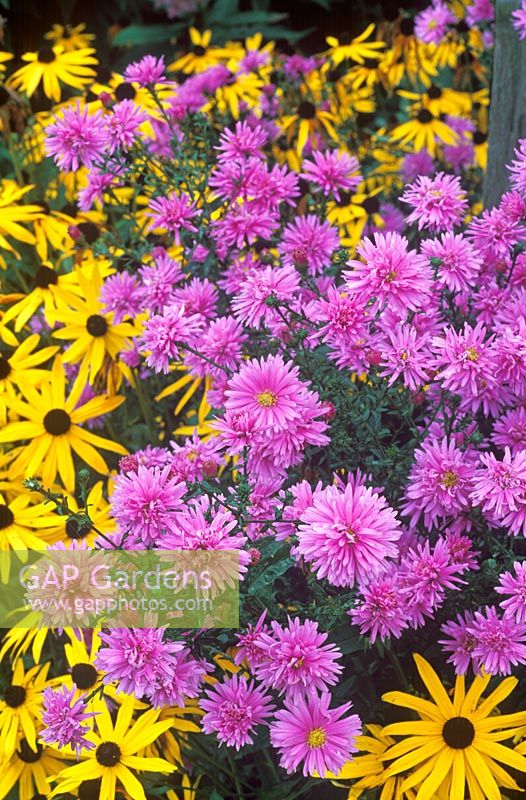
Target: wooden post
x: 507, y: 119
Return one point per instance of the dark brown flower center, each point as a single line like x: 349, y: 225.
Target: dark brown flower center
x: 199, y: 50
x: 479, y: 137
x: 434, y: 92
x: 306, y: 110
x: 424, y: 116
x: 108, y: 754
x: 14, y: 695
x: 84, y: 675
x: 57, y: 421
x: 44, y: 277
x: 371, y: 205
x: 76, y: 529
x: 27, y: 755
x: 90, y: 231
x: 407, y: 26
x: 125, y: 91
x: 5, y: 367
x: 458, y: 733
x: 46, y: 55
x: 6, y: 517
x: 96, y: 325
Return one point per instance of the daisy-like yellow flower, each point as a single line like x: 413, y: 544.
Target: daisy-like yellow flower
x: 46, y: 287
x: 188, y: 789
x: 19, y: 521
x: 422, y: 131
x: 412, y: 54
x: 441, y: 100
x: 31, y: 770
x: 22, y: 366
x: 170, y: 742
x: 21, y: 706
x: 358, y: 49
x: 12, y: 214
x: 307, y: 120
x: 115, y: 753
x: 70, y: 37
x: 51, y: 424
x: 367, y: 769
x: 455, y: 741
x: 52, y: 66
x: 246, y: 88
x: 95, y: 335
x: 51, y: 229
x: 200, y: 55
x: 70, y: 531
x: 3, y: 58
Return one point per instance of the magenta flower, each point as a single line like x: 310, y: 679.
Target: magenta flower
x: 500, y: 644
x: 390, y: 273
x: 158, y: 281
x: 415, y: 164
x: 144, y: 502
x: 510, y: 430
x: 76, y: 139
x: 122, y: 125
x: 174, y: 213
x: 461, y: 643
x: 459, y: 263
x: 380, y: 610
x: 440, y: 483
x: 439, y: 203
x: 425, y: 575
x: 245, y: 141
x: 253, y: 304
x: 518, y: 20
x: 234, y: 708
x: 308, y: 731
x: 332, y: 171
x: 268, y: 389
x: 405, y: 354
x: 348, y: 535
x: 146, y: 72
x: 464, y: 360
x: 431, y: 24
x: 221, y: 343
x: 122, y: 295
x: 63, y: 717
x: 499, y: 488
x: 309, y: 244
x: 164, y: 335
x: 297, y: 662
x: 515, y: 586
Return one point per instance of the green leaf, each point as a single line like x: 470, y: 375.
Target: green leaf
x: 145, y: 34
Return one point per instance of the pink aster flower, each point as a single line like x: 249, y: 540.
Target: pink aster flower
x: 405, y: 354
x: 464, y: 359
x: 158, y: 281
x: 459, y: 265
x: 297, y: 661
x: 144, y: 502
x: 183, y: 679
x: 98, y: 183
x: 200, y: 297
x: 416, y: 164
x: 76, y: 139
x: 495, y: 233
x: 332, y: 171
x: 234, y: 708
x: 348, y: 535
x: 200, y: 526
x: 253, y: 304
x: 500, y: 644
x: 174, y: 213
x: 146, y: 72
x: 268, y: 389
x: 221, y: 343
x: 510, y: 430
x: 245, y: 224
x: 499, y: 488
x: 136, y: 658
x: 480, y: 11
x: 390, y: 272
x: 431, y: 24
x: 122, y: 295
x: 249, y: 644
x: 165, y: 333
x: 63, y: 717
x: 245, y: 141
x: 309, y: 244
x: 122, y: 125
x: 426, y: 574
x: 440, y: 482
x: 439, y: 203
x: 515, y: 586
x: 518, y: 168
x: 380, y: 611
x: 461, y: 643
x: 518, y: 20
x: 308, y: 731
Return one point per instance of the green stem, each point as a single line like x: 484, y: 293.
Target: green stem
x: 145, y: 409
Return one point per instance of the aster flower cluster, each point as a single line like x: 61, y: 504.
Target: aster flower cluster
x: 274, y: 272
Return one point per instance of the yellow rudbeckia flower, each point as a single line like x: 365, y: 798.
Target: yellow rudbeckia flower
x: 51, y: 66
x: 114, y: 755
x: 22, y: 366
x: 423, y: 131
x: 51, y: 423
x: 12, y: 214
x: 455, y: 740
x: 20, y: 709
x: 31, y: 770
x: 356, y: 50
x: 70, y: 37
